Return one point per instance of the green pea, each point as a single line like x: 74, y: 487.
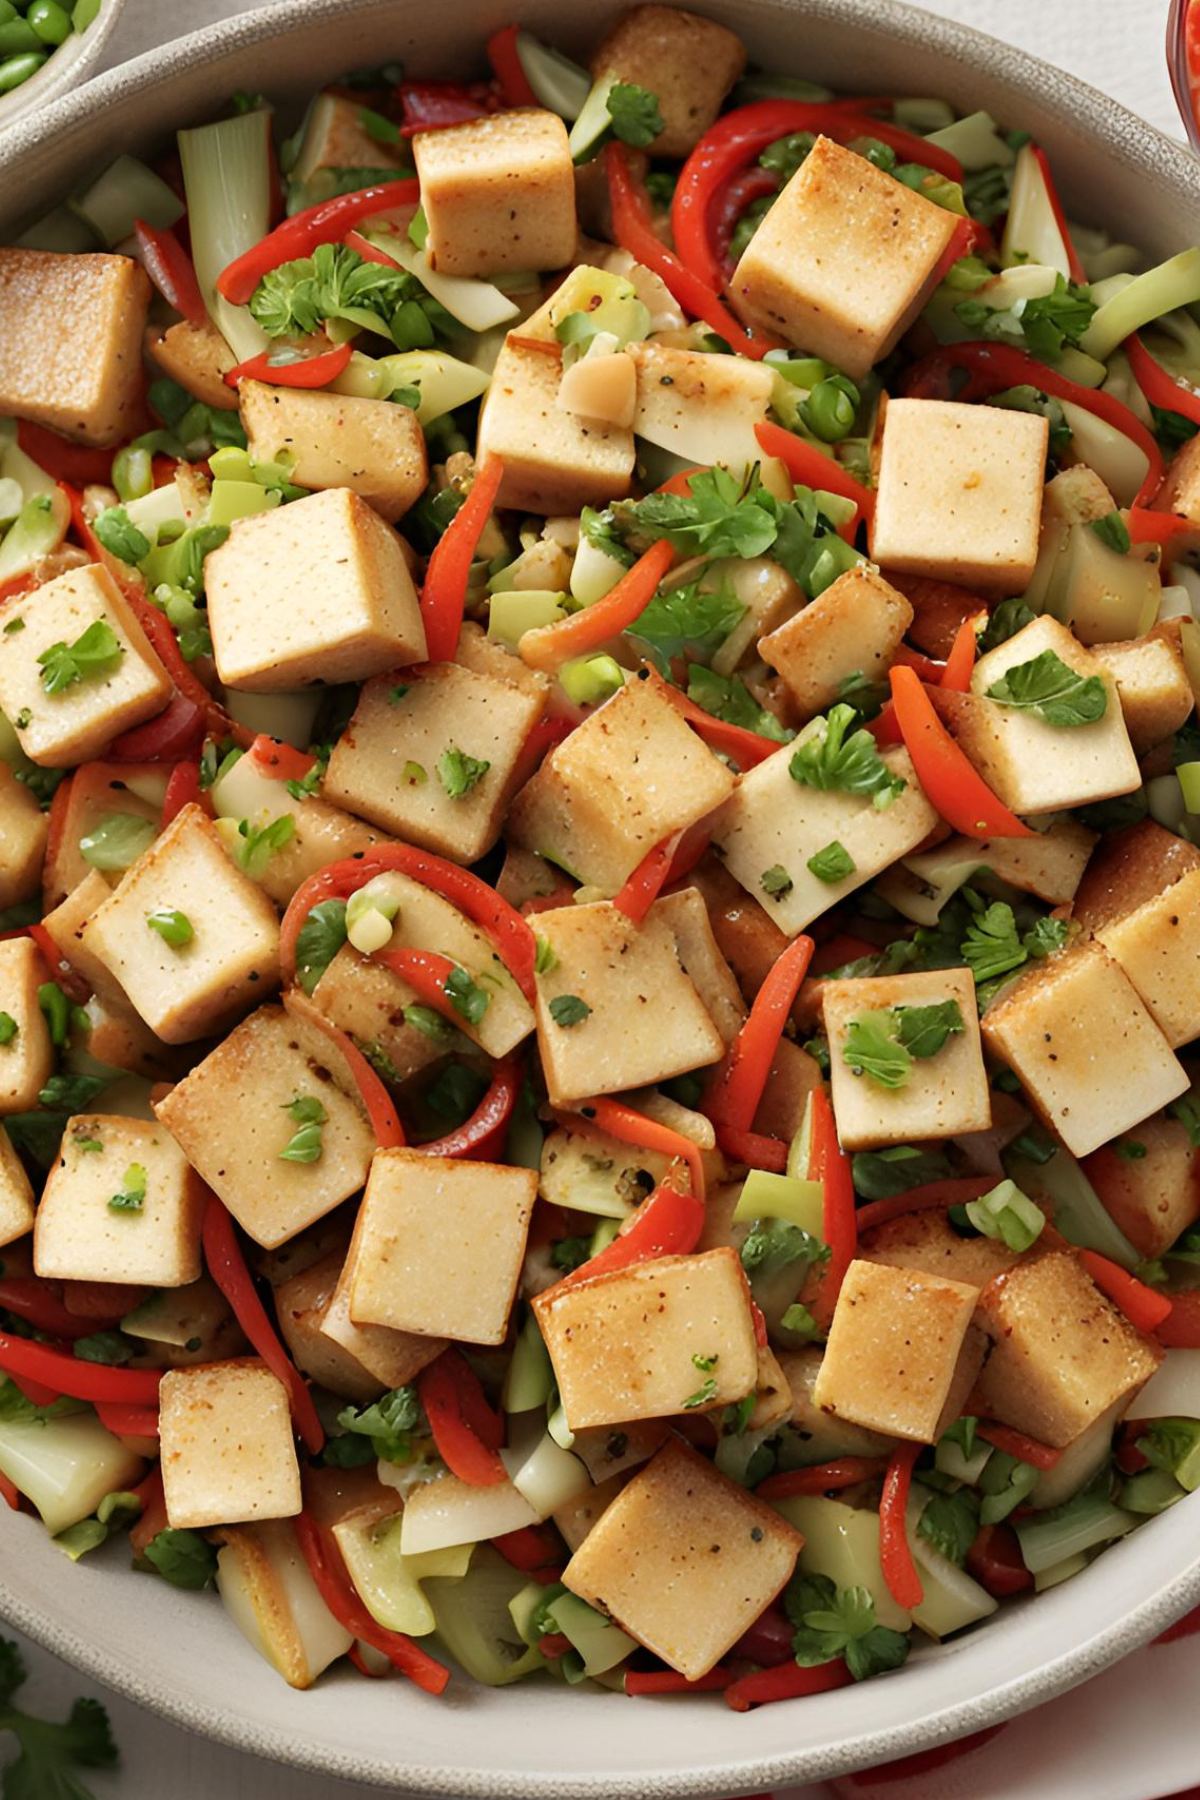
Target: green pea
x: 132, y: 473
x: 830, y: 409
x: 17, y: 38
x: 50, y: 21
x: 16, y: 69
x: 83, y: 13
x: 7, y: 11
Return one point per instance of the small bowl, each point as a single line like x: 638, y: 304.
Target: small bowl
x: 72, y: 63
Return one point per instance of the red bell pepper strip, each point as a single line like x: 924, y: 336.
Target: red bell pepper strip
x: 169, y: 267
x: 175, y: 732
x: 547, y: 646
x: 183, y: 789
x: 829, y: 1164
x: 667, y: 1681
x: 1142, y: 1306
x: 753, y: 1148
x: 506, y: 67
x: 691, y: 849
x: 740, y: 192
x: 444, y: 594
x: 466, y: 1432
x: 827, y: 1478
x: 843, y: 947
x: 227, y: 1266
x: 10, y: 1493
x: 961, y: 661
x: 1161, y: 388
x: 951, y: 783
x: 1180, y: 1330
x: 354, y: 240
x: 667, y: 1223
x: 75, y: 986
x: 426, y: 972
x: 1015, y: 1443
x: 735, y: 1098
x: 933, y: 1196
x: 326, y: 223
x: 787, y: 1682
x: 279, y: 761
x: 1146, y: 526
x: 482, y: 1135
x: 328, y: 1571
x: 768, y: 1642
x: 633, y: 229
x: 995, y: 1561
x: 534, y: 1549
x: 306, y: 372
x: 432, y: 105
x: 1075, y: 268
x: 36, y: 1302
x: 629, y: 1126
x: 813, y: 468
x: 647, y: 881
x: 128, y: 1421
x: 926, y: 668
x: 62, y: 459
x: 895, y: 1556
x: 747, y: 748
x: 31, y: 1363
x: 380, y: 1108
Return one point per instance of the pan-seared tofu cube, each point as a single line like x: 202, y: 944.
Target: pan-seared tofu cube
x: 684, y: 1560
x: 687, y: 62
x: 852, y: 629
x: 927, y: 1242
x: 700, y: 406
x: 1034, y: 766
x: 229, y: 957
x: 1127, y: 869
x: 1180, y: 491
x: 24, y: 829
x: 315, y: 591
x: 16, y: 1194
x: 66, y: 926
x: 1050, y: 865
x: 301, y: 1305
x: 1149, y: 1183
x: 440, y: 1245
x: 844, y: 261
x: 391, y: 1357
x: 1158, y: 946
x: 198, y: 358
x: 498, y: 193
x: 687, y: 915
x: 629, y: 776
x: 362, y: 997
x: 554, y: 461
x: 437, y: 759
x: 27, y: 1053
x: 335, y: 137
x: 1152, y: 686
x: 83, y: 378
x: 227, y: 1448
x: 775, y: 822
x: 1086, y: 1049
x: 944, y: 1095
x: 269, y: 1592
x: 1062, y: 1353
x: 91, y: 1225
x: 616, y: 1010
x: 370, y: 446
x: 670, y: 1336
x: 960, y: 493
x: 238, y: 1147
x: 78, y: 720
x: 894, y: 1347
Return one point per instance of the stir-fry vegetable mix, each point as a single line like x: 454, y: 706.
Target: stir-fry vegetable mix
x: 600, y: 835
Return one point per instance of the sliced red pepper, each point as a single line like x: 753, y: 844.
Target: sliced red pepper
x: 692, y: 848
x: 427, y: 973
x: 1161, y: 388
x: 629, y: 1126
x: 839, y: 950
x: 306, y: 372
x: 813, y: 468
x: 328, y: 1571
x: 829, y: 1164
x: 482, y: 1136
x: 933, y: 1196
x: 75, y: 986
x: 739, y: 1089
x: 170, y: 268
x: 1075, y: 268
x: 29, y: 1363
x: 754, y: 1149
x: 768, y: 1642
x: 895, y: 1555
x: 326, y: 223
x: 956, y: 673
x: 432, y: 105
x: 380, y: 1108
x: 995, y: 1561
x: 35, y: 1302
x: 227, y: 1266
x: 1180, y: 1330
x: 128, y: 1421
x: 466, y: 1432
x: 924, y: 666
x: 62, y: 459
x: 549, y: 645
x: 647, y: 881
x: 279, y: 761
x: 667, y: 1681
x: 1016, y: 1443
x: 827, y: 1478
x: 444, y: 594
x: 951, y: 783
x: 727, y: 207
x: 554, y: 1644
x: 787, y: 1682
x: 667, y: 1223
x: 1147, y: 526
x: 183, y: 789
x: 534, y: 1549
x: 10, y: 1493
x: 178, y: 730
x: 506, y: 67
x: 747, y: 748
x: 1142, y: 1306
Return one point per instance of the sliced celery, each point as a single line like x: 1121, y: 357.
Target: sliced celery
x: 600, y: 1643
x: 40, y: 527
x: 230, y: 500
x: 560, y: 84
x: 474, y: 1622
x: 530, y: 1377
x: 126, y: 191
x: 512, y: 614
x: 442, y: 381
x: 478, y: 305
x: 592, y: 120
x: 61, y: 230
x: 767, y: 1196
x: 1172, y: 284
x: 65, y: 1466
x: 1079, y: 1526
x: 975, y: 141
x: 227, y: 179
x: 1031, y: 232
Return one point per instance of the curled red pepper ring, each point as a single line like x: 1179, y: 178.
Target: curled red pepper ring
x: 466, y: 1432
x: 333, y: 1583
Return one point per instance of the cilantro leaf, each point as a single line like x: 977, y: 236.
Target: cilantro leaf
x: 96, y: 652
x: 335, y: 282
x: 569, y: 1009
x: 833, y: 863
x: 1046, y: 936
x: 689, y: 622
x: 719, y: 516
x: 771, y: 1244
x: 873, y: 1048
x: 1056, y: 319
x: 728, y: 698
x: 1003, y: 622
x: 634, y: 113
x: 183, y: 1558
x: 841, y: 754
x: 305, y: 1145
x: 949, y: 1522
x: 468, y: 999
x: 992, y: 945
x: 878, y: 1174
x: 833, y: 1622
x: 118, y: 534
x: 924, y: 1029
x: 458, y: 772
x: 321, y: 937
x: 1056, y: 693
x: 388, y: 1422
x: 1113, y: 531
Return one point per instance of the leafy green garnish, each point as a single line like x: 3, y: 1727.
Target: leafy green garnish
x: 570, y: 1253
x: 458, y: 772
x: 949, y: 1522
x: 110, y: 1347
x: 840, y: 754
x: 96, y: 652
x: 49, y: 1753
x: 335, y: 282
x: 69, y: 1093
x: 1003, y: 622
x: 704, y: 1393
x: 1056, y: 693
x: 8, y: 1028
x: 993, y: 945
x: 634, y: 113
x: 832, y: 1622
x: 183, y: 1558
x: 727, y: 697
x: 132, y: 1196
x: 388, y: 1422
x: 1113, y: 531
x: 1004, y: 1484
x: 878, y: 1174
x: 118, y: 534
x: 258, y: 847
x: 771, y: 1244
x: 1056, y: 319
x: 689, y: 622
x: 172, y: 926
x: 305, y: 1145
x: 720, y: 516
x: 776, y: 882
x: 569, y: 1009
x: 833, y: 863
x: 468, y: 999
x: 321, y: 937
x: 1187, y: 1111
x: 884, y: 1044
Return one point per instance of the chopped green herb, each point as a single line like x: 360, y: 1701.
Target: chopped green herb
x: 132, y: 1197
x: 883, y: 1045
x: 545, y: 959
x: 468, y: 999
x: 704, y: 1393
x: 321, y: 937
x: 118, y: 534
x: 87, y: 1146
x: 688, y: 622
x: 431, y: 1024
x: 111, y: 1347
x: 1113, y: 531
x: 8, y: 1028
x: 797, y: 1318
x: 1008, y: 1214
x: 705, y: 1364
x: 172, y: 926
x: 459, y: 773
x: 949, y: 1522
x: 258, y: 847
x: 96, y: 652
x: 728, y: 698
x: 771, y: 1244
x: 569, y: 1009
x: 70, y: 1093
x: 13, y: 626
x: 1054, y: 320
x: 1003, y: 622
x: 396, y: 694
x: 992, y: 945
x: 776, y: 882
x: 305, y: 1145
x: 832, y: 1622
x: 634, y: 113
x: 388, y: 1423
x: 878, y: 1174
x: 183, y: 1558
x: 1056, y: 693
x: 718, y: 516
x: 840, y: 754
x: 56, y: 1010
x: 1130, y: 1150
x: 24, y: 719
x: 570, y: 1253
x: 1187, y: 1111
x: 49, y: 1753
x: 833, y: 863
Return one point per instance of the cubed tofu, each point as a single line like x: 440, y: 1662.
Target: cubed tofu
x: 66, y: 925
x: 81, y: 1235
x: 894, y: 1347
x: 1062, y: 1353
x: 554, y: 461
x: 630, y: 775
x: 227, y: 1448
x: 1149, y: 1184
x: 1087, y: 1050
x: 1050, y: 865
x: 1036, y: 767
x: 944, y: 1096
x: 1152, y: 686
x: 772, y: 821
x: 423, y: 1216
x: 238, y: 1148
x: 843, y: 262
x: 669, y: 1336
x: 688, y: 63
x: 700, y: 957
x: 300, y: 1307
x: 1158, y: 946
x: 793, y: 1076
x: 1180, y: 491
x: 408, y: 759
x: 684, y: 1560
x: 498, y: 193
x: 118, y: 1037
x: 81, y: 719
x: 927, y: 1242
x: 701, y: 406
x: 336, y: 137
x: 392, y: 1357
x: 823, y: 1436
x: 85, y: 378
x: 102, y: 791
x: 853, y: 629
x: 231, y: 960
x: 1129, y: 868
x: 644, y: 1020
x: 27, y: 1057
x: 959, y: 494
x: 318, y: 590
x: 362, y: 997
x: 198, y: 358
x: 269, y: 1592
x: 747, y: 938
x: 940, y: 609
x: 372, y: 447
x: 16, y: 1194
x: 24, y: 830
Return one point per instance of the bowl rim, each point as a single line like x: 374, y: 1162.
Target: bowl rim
x: 1091, y: 114
x: 67, y: 67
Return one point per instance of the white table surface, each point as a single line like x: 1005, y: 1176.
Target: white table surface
x: 1117, y: 46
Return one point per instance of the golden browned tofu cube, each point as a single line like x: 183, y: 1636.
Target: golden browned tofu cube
x: 423, y: 1216
x: 1127, y: 869
x: 669, y: 1336
x: 301, y: 1305
x: 844, y: 261
x: 1152, y: 686
x: 336, y: 137
x: 1062, y: 1353
x: 687, y: 62
x: 1180, y: 491
x: 227, y: 1448
x: 392, y: 1357
x: 716, y: 983
x: 853, y: 628
x: 198, y: 358
x: 943, y: 1096
x: 66, y: 925
x: 239, y: 1148
x: 16, y: 1194
x: 228, y: 958
x: 616, y: 1010
x: 27, y: 1053
x: 82, y: 717
x: 554, y: 461
x: 1087, y: 1051
x: 318, y: 590
x: 71, y: 355
x: 120, y: 1204
x: 268, y: 1591
x: 1049, y: 865
x: 370, y: 446
x: 24, y: 829
x: 362, y: 997
x: 894, y: 1348
x: 498, y: 193
x: 684, y: 1560
x: 1158, y: 946
x: 927, y: 1242
x: 960, y: 492
x: 410, y: 758
x: 823, y: 1435
x: 1149, y: 1184
x: 629, y: 776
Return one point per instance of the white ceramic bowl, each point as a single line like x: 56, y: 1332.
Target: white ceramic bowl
x: 178, y: 1653
x: 72, y: 63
